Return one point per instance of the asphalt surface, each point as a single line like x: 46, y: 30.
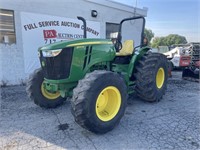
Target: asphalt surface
x: 173, y: 123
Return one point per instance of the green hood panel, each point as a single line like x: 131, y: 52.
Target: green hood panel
x: 80, y: 42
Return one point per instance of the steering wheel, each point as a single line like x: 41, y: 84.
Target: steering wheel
x: 118, y: 45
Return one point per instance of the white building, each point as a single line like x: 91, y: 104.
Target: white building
x: 27, y: 24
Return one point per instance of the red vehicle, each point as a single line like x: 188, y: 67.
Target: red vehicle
x: 184, y: 61
x: 192, y: 71
x: 179, y: 57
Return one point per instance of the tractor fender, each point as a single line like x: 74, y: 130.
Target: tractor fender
x: 135, y: 58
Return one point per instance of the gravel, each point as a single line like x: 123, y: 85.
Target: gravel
x: 172, y: 123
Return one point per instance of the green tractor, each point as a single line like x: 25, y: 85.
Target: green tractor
x: 98, y: 75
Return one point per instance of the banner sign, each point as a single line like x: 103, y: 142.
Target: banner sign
x: 39, y: 30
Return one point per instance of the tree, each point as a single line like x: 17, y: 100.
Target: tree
x: 175, y: 39
x: 149, y: 34
x: 169, y: 40
x: 158, y: 41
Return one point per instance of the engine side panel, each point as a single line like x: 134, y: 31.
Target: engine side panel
x: 86, y: 56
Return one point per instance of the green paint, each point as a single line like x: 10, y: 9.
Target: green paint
x: 100, y: 58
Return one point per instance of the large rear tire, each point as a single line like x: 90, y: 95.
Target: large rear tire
x: 151, y: 76
x: 39, y: 94
x: 99, y: 101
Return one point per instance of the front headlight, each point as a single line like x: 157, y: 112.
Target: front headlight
x: 51, y: 53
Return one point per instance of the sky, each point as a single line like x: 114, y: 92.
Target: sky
x: 166, y: 17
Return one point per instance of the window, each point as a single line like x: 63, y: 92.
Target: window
x: 111, y: 28
x: 7, y: 28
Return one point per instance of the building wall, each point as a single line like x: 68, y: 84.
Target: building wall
x: 12, y: 64
x: 11, y: 56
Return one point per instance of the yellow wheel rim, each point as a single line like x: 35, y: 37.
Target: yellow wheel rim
x: 49, y: 95
x: 108, y: 103
x: 160, y: 78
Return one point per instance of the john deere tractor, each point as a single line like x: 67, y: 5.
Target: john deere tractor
x: 98, y: 75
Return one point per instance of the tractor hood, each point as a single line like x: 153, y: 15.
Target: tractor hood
x: 80, y: 42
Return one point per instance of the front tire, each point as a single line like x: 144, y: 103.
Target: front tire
x: 151, y: 76
x: 39, y: 94
x: 99, y: 101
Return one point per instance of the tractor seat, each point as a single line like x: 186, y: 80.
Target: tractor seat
x: 127, y: 48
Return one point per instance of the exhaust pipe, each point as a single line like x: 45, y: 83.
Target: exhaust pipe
x: 84, y: 24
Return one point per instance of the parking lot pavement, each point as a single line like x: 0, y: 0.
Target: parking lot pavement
x: 173, y: 123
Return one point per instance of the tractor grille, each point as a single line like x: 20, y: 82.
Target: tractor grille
x: 56, y: 68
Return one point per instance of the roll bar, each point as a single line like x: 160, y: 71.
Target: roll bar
x: 119, y: 37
